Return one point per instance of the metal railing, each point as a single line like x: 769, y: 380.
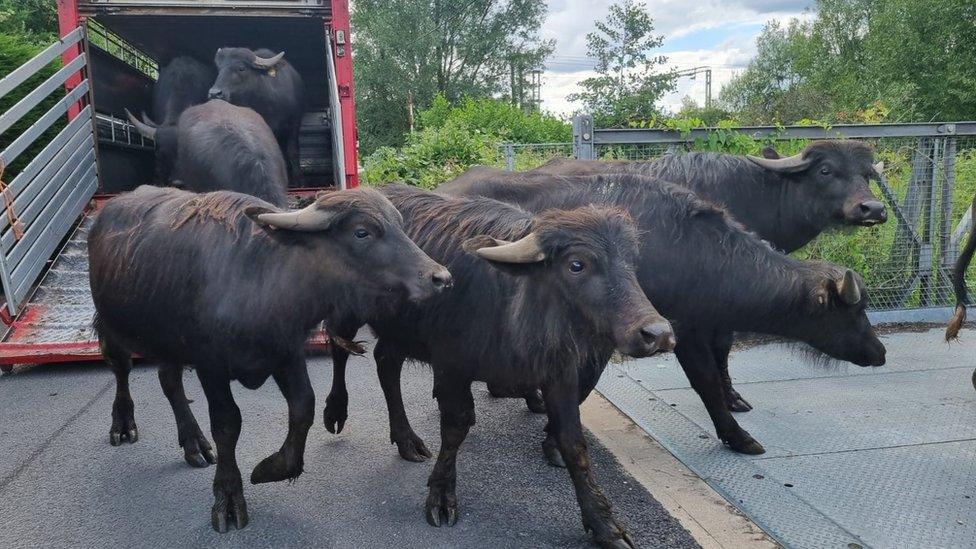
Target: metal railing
x: 47, y: 195
x: 929, y: 180
x: 111, y: 43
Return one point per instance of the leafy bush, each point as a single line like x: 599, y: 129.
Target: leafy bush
x: 15, y: 50
x: 454, y: 138
x: 498, y: 119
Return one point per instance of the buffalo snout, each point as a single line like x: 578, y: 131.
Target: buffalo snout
x: 442, y: 280
x: 869, y: 212
x: 430, y: 283
x: 216, y: 93
x: 648, y: 338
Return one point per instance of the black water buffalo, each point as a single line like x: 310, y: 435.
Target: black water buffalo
x: 707, y: 275
x: 959, y: 283
x: 233, y: 285
x: 219, y: 146
x: 813, y: 302
x: 786, y: 201
x: 182, y: 83
x: 264, y: 81
x: 538, y: 299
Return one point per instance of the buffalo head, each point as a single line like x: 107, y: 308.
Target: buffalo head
x: 832, y: 181
x: 241, y: 72
x: 358, y: 235
x: 832, y: 318
x: 585, y: 257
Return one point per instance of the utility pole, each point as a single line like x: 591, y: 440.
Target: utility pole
x: 535, y: 103
x: 694, y: 71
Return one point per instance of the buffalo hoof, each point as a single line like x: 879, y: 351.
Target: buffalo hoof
x: 734, y: 401
x: 275, y: 468
x: 128, y: 434
x: 412, y: 448
x: 229, y: 509
x: 551, y: 450
x: 619, y: 543
x: 336, y: 412
x: 198, y: 452
x: 743, y: 443
x: 441, y: 508
x: 535, y: 402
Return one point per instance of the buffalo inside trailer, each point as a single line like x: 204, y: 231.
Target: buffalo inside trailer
x: 81, y: 150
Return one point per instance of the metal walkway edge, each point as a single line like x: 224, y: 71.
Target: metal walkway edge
x: 789, y: 520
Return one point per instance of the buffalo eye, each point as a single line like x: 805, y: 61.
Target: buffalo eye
x: 825, y: 171
x: 361, y: 233
x: 242, y: 68
x: 576, y: 266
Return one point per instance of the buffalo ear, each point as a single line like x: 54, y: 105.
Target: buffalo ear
x: 770, y: 152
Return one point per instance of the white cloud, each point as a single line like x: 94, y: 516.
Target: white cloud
x: 570, y: 20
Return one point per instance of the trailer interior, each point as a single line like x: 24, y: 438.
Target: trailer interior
x: 115, y: 50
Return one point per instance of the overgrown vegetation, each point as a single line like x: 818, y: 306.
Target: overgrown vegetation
x: 453, y: 138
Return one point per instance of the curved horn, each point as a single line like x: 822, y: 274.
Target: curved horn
x: 847, y: 288
x: 524, y: 250
x: 267, y: 63
x: 879, y: 168
x: 308, y: 219
x: 144, y: 129
x: 789, y: 164
x: 148, y: 121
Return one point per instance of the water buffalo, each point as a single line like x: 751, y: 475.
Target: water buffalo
x: 182, y: 83
x: 233, y: 285
x: 959, y: 283
x: 786, y: 201
x: 264, y: 81
x: 555, y: 295
x: 706, y: 274
x: 692, y: 289
x: 219, y: 146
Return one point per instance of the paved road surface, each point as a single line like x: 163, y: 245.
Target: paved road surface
x: 61, y: 484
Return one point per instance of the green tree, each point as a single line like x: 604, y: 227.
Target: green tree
x: 903, y: 60
x: 628, y: 86
x: 408, y: 51
x: 36, y: 20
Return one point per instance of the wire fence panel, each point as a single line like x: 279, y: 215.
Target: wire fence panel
x: 928, y: 184
x: 519, y: 156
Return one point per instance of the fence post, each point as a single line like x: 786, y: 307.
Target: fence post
x: 583, y: 137
x: 509, y: 157
x: 947, y: 253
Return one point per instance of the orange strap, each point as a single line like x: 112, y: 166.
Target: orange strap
x: 8, y: 204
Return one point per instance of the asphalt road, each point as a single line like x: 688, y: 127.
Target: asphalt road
x: 63, y: 485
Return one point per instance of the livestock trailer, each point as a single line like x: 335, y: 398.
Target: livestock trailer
x: 79, y: 148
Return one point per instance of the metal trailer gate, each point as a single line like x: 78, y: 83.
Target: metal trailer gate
x: 930, y: 177
x: 45, y: 198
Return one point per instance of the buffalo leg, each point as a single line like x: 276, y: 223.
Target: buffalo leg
x: 123, y: 409
x: 337, y: 403
x: 564, y: 425
x: 588, y: 378
x: 290, y: 148
x: 225, y: 425
x: 533, y: 398
x: 196, y: 448
x: 721, y: 346
x: 288, y: 462
x: 389, y: 364
x: 457, y: 416
x: 695, y: 355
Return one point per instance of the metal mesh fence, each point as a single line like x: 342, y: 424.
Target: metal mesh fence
x: 906, y: 262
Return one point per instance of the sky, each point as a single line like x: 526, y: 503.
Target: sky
x: 720, y: 34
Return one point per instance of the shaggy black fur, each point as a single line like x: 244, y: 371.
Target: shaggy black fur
x: 186, y: 278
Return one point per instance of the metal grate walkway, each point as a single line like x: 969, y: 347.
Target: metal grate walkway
x: 854, y: 457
